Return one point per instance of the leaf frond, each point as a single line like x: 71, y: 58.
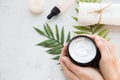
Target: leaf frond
x: 54, y: 42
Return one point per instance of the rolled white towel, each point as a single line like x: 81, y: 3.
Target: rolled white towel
x: 103, y: 13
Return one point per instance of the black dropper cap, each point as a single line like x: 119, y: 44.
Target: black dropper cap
x: 55, y: 11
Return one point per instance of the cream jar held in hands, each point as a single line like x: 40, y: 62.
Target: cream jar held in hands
x: 82, y: 51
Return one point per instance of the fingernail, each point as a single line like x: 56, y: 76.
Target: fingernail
x: 65, y: 44
x: 64, y: 59
x: 97, y: 39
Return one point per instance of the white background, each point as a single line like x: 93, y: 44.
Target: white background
x: 20, y: 59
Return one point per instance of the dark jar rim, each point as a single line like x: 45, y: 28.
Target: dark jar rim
x: 92, y: 63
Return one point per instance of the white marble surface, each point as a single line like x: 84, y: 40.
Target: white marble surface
x: 20, y: 59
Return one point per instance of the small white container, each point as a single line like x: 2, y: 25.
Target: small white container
x: 36, y: 6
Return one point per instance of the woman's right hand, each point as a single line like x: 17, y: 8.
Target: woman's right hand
x: 110, y: 62
x: 109, y: 65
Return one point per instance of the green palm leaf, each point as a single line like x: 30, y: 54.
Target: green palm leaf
x: 53, y: 43
x: 77, y: 2
x: 105, y: 35
x: 57, y: 32
x: 49, y: 30
x: 76, y: 9
x: 46, y: 30
x: 80, y: 32
x: 47, y: 43
x: 55, y: 50
x: 98, y: 27
x: 102, y: 32
x: 82, y: 28
x: 56, y: 58
x: 62, y: 36
x: 39, y: 31
x: 68, y: 37
x: 75, y: 18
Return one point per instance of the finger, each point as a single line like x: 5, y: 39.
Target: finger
x: 81, y: 72
x: 64, y: 51
x: 112, y: 51
x: 72, y: 67
x: 96, y: 36
x: 112, y: 48
x: 67, y: 72
x: 104, y: 40
x: 107, y: 57
x: 62, y: 64
x: 91, y: 36
x: 103, y: 47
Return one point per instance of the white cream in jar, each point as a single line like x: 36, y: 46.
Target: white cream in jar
x: 82, y: 50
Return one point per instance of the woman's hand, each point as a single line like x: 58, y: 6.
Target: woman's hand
x: 110, y: 61
x: 109, y: 64
x: 74, y: 72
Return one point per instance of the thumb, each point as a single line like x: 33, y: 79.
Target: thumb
x: 103, y: 47
x: 72, y: 67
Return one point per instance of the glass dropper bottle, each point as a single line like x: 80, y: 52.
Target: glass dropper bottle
x: 61, y: 6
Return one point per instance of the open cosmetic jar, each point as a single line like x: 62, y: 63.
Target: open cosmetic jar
x: 83, y: 51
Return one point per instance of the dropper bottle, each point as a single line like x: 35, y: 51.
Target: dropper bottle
x: 61, y: 6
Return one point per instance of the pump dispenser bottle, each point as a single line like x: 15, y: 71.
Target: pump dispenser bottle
x: 61, y: 6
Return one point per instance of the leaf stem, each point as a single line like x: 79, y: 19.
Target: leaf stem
x: 55, y: 40
x: 91, y: 29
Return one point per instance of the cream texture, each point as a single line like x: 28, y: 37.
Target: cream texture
x: 82, y: 50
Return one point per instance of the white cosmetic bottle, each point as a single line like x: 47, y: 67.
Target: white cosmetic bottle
x: 61, y: 6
